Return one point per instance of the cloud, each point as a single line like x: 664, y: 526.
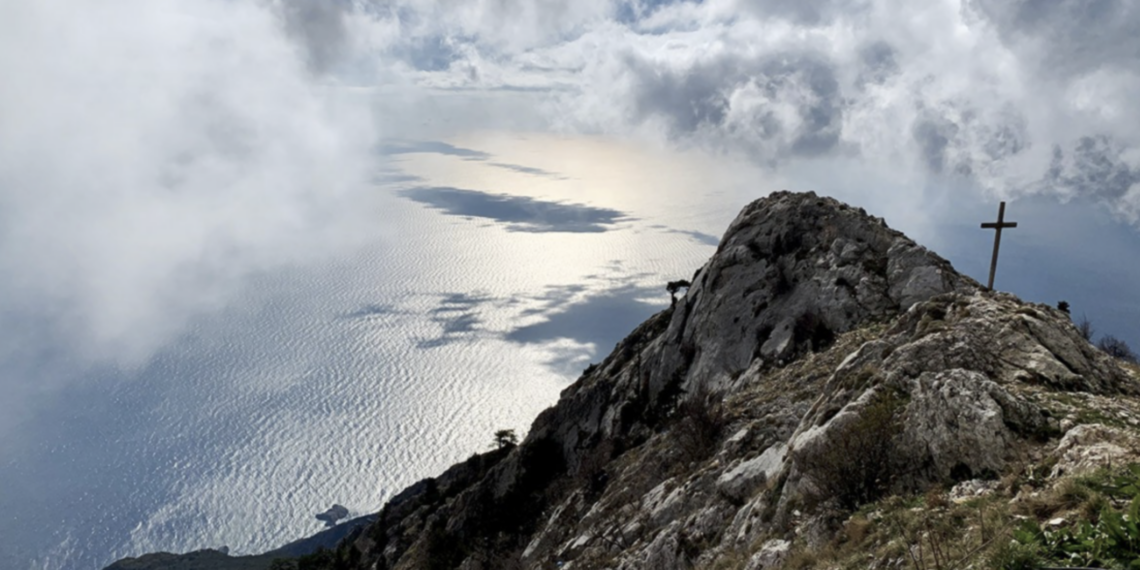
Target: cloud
x: 804, y: 12
x: 318, y: 26
x: 980, y: 91
x: 155, y: 154
x: 1099, y: 167
x: 1068, y: 37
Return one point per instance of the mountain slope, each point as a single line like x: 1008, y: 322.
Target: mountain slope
x: 818, y: 363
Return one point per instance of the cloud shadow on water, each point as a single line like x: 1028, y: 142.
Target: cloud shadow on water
x: 602, y: 319
x: 699, y: 237
x: 395, y: 178
x: 372, y: 310
x: 457, y: 316
x: 520, y: 213
x: 529, y: 170
x: 431, y: 147
x: 440, y: 147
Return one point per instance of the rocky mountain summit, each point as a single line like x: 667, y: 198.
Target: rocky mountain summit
x: 820, y: 370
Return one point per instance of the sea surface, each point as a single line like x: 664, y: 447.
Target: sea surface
x: 506, y: 264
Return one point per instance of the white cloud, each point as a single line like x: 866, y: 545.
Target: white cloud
x: 154, y: 153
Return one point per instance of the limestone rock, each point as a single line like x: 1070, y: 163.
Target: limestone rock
x: 1088, y: 447
x: 971, y: 489
x: 771, y: 555
x: 793, y: 271
x: 740, y: 482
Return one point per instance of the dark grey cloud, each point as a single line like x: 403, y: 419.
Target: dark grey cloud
x: 933, y: 134
x: 686, y: 99
x: 805, y: 12
x: 822, y: 114
x: 431, y: 53
x: 1073, y: 36
x: 632, y: 11
x: 503, y: 87
x: 878, y: 62
x: 700, y: 97
x: 519, y: 213
x: 319, y: 27
x: 1005, y: 138
x: 958, y: 139
x: 1093, y: 167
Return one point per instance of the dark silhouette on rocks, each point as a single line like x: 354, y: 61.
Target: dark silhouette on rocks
x: 673, y: 287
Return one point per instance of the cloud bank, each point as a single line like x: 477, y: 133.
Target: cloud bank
x: 1014, y: 98
x: 155, y: 153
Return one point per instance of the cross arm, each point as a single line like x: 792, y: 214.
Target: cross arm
x: 994, y: 225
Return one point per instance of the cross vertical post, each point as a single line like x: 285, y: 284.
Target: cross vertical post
x: 998, y: 225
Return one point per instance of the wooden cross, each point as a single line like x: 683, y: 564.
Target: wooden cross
x: 998, y: 225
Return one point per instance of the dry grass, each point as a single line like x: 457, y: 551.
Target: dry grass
x: 919, y: 532
x: 1131, y: 368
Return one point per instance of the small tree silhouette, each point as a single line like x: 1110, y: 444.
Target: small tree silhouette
x: 1116, y: 348
x: 1085, y: 328
x: 860, y: 463
x: 673, y: 286
x: 1063, y: 306
x: 505, y: 438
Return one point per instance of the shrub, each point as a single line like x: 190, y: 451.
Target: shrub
x: 673, y: 287
x: 859, y: 463
x: 701, y: 419
x: 811, y: 331
x: 1116, y: 348
x: 505, y: 438
x: 1086, y: 329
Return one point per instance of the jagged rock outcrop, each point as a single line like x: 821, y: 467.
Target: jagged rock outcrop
x: 819, y: 361
x: 792, y: 271
x: 812, y: 321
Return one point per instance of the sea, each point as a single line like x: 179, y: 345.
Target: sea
x: 506, y: 264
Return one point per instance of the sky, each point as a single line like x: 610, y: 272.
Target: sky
x: 158, y: 155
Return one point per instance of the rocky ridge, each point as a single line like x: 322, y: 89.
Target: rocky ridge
x: 819, y: 362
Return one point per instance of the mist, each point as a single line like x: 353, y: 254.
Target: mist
x: 153, y: 155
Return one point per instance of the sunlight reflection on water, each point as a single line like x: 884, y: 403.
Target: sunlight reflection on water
x: 344, y: 382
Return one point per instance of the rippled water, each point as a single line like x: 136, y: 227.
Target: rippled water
x: 509, y: 264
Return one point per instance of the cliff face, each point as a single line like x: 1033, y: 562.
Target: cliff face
x: 819, y: 362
